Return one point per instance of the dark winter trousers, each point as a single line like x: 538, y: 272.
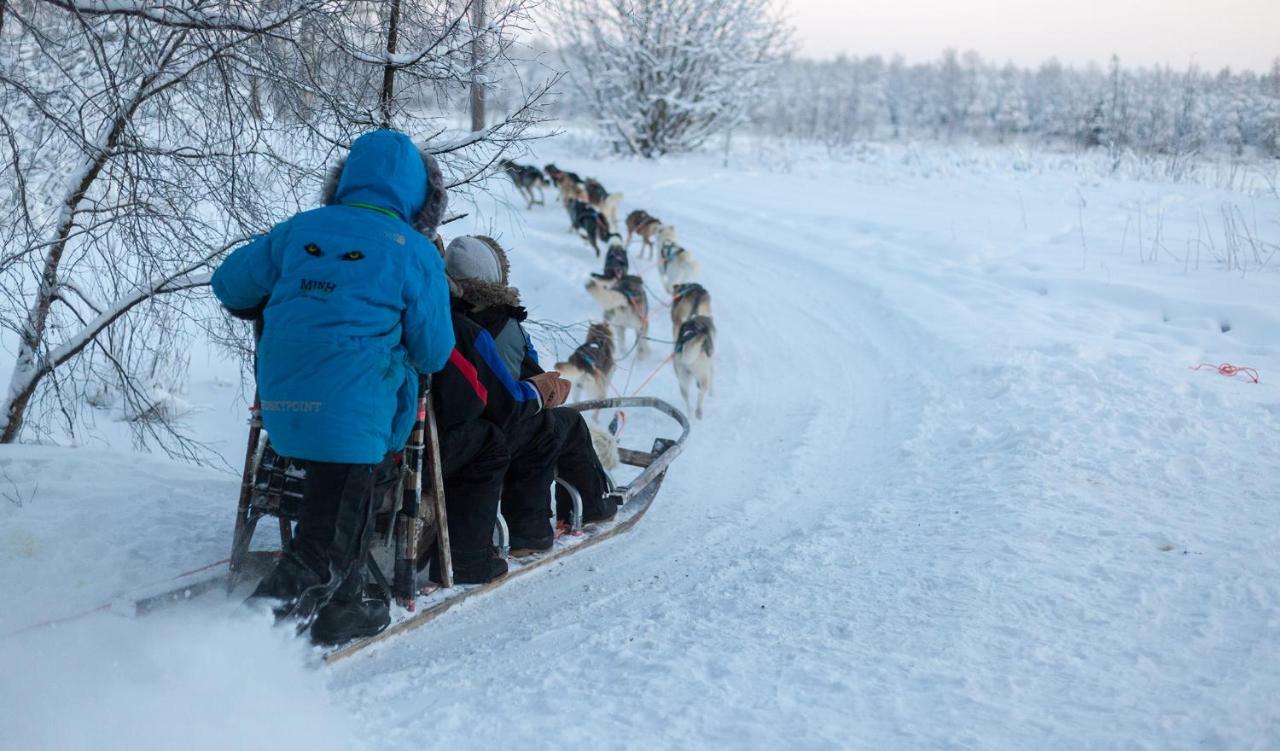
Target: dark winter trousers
x: 556, y: 441
x: 578, y: 465
x: 335, y: 523
x: 526, y: 490
x: 473, y: 458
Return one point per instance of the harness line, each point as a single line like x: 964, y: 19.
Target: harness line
x: 107, y: 605
x: 1229, y: 370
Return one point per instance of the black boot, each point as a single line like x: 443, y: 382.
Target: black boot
x: 532, y: 541
x: 478, y: 567
x: 531, y: 531
x: 352, y: 613
x: 335, y: 524
x: 285, y: 584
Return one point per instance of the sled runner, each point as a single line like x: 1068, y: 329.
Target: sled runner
x: 411, y: 523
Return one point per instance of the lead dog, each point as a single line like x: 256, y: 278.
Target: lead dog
x: 694, y: 359
x: 687, y: 301
x: 592, y: 362
x: 625, y: 305
x: 527, y: 179
x: 675, y: 265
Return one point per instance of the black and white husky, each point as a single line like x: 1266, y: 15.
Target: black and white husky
x: 615, y: 258
x: 694, y: 359
x: 625, y: 305
x: 589, y: 223
x: 591, y: 364
x: 675, y: 265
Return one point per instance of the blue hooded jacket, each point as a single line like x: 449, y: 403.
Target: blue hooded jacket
x: 357, y: 306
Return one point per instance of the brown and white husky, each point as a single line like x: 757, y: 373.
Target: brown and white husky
x: 649, y: 228
x: 687, y: 301
x: 694, y: 360
x: 591, y: 364
x: 625, y: 305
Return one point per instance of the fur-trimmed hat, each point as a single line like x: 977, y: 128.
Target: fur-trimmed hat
x: 428, y: 217
x: 478, y: 267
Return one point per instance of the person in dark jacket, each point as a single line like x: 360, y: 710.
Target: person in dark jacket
x: 355, y: 306
x: 542, y: 442
x: 478, y: 400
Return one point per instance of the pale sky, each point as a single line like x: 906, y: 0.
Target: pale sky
x: 1211, y: 33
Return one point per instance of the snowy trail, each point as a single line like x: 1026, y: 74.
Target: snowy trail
x: 708, y: 595
x: 895, y: 528
x: 957, y: 488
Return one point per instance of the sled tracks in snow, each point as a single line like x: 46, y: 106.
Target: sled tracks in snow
x: 633, y: 499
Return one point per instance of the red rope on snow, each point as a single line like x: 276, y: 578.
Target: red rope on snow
x: 1229, y: 370
x: 56, y: 621
x: 107, y: 605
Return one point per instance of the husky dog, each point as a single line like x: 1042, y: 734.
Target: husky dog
x: 644, y: 224
x: 553, y: 173
x: 687, y: 301
x: 615, y: 258
x: 675, y: 265
x: 595, y: 191
x: 603, y: 201
x: 592, y: 362
x: 605, y: 444
x: 589, y: 224
x: 625, y: 305
x: 571, y: 189
x: 693, y: 361
x: 527, y: 179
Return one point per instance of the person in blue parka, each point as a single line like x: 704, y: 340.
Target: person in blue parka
x: 354, y: 305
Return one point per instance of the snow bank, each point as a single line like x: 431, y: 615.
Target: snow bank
x: 94, y: 524
x: 196, y: 678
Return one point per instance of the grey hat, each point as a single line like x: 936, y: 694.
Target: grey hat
x: 478, y: 268
x: 471, y: 258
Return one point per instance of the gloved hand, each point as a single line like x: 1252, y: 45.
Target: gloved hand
x: 553, y: 389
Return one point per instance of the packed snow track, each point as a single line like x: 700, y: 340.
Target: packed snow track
x: 957, y: 487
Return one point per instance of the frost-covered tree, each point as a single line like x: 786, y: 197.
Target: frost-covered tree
x: 126, y: 170
x: 662, y: 76
x: 139, y: 141
x: 1009, y: 115
x: 1128, y: 111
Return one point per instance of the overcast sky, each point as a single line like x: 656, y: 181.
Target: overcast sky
x: 1211, y: 33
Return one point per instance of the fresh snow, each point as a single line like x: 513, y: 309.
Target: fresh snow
x: 958, y: 487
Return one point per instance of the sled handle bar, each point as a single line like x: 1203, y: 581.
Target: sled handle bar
x: 654, y: 464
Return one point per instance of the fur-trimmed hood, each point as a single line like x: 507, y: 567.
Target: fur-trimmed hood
x: 476, y: 292
x: 380, y: 171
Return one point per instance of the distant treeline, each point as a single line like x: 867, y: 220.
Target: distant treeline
x: 1150, y: 110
